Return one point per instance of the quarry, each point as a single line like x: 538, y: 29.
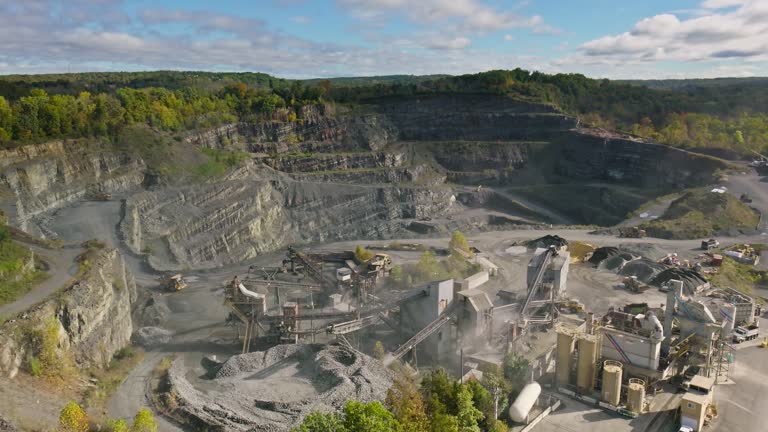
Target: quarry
x: 324, y: 264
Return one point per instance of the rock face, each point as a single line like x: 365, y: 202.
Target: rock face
x: 44, y: 177
x: 93, y: 316
x: 239, y: 218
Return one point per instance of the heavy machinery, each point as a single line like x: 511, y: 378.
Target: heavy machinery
x: 709, y: 244
x: 632, y: 232
x: 571, y: 306
x: 380, y: 263
x: 633, y: 284
x: 101, y: 196
x: 745, y: 333
x: 175, y: 282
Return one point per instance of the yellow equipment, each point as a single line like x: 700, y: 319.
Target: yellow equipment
x: 176, y: 283
x: 764, y: 343
x: 632, y: 232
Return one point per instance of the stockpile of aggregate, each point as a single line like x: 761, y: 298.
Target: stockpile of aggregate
x: 274, y: 390
x: 617, y: 262
x: 644, y: 269
x: 603, y: 253
x: 691, y: 279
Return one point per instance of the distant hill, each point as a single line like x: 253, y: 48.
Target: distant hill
x: 688, y: 84
x: 374, y: 80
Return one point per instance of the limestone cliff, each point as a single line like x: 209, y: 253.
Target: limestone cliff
x: 93, y: 316
x: 44, y: 177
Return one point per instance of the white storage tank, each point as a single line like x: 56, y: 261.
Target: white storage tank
x: 524, y: 402
x: 728, y: 314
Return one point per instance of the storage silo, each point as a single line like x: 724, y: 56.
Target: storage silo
x: 611, y: 392
x: 728, y: 314
x: 636, y: 395
x: 587, y: 364
x: 524, y: 402
x: 565, y: 348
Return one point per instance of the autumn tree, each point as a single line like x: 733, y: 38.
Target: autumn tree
x: 406, y: 404
x: 362, y: 254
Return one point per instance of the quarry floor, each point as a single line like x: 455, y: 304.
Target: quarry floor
x: 197, y: 315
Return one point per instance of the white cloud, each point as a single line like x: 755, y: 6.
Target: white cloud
x: 740, y: 33
x: 509, y: 37
x: 468, y: 15
x: 722, y: 4
x: 452, y: 43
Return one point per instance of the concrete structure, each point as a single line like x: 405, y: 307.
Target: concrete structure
x: 472, y: 282
x: 564, y: 360
x: 696, y: 402
x: 728, y: 314
x: 422, y: 311
x: 586, y: 366
x: 631, y: 348
x: 611, y: 390
x: 556, y: 276
x: 475, y: 315
x: 636, y: 395
x: 487, y: 265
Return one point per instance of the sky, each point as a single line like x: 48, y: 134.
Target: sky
x: 650, y: 39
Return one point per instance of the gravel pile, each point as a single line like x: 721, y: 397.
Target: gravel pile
x: 274, y: 390
x: 616, y: 262
x: 644, y: 268
x: 691, y: 279
x: 152, y: 336
x: 603, y: 253
x: 5, y: 426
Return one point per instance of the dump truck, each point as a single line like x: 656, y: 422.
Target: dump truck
x: 175, y: 283
x: 709, y: 244
x: 380, y: 262
x: 745, y: 333
x: 632, y: 232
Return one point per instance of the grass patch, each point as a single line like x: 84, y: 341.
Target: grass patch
x: 218, y: 163
x: 731, y: 274
x: 109, y: 379
x: 701, y: 213
x: 16, y: 278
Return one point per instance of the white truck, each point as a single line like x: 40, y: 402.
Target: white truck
x: 745, y: 333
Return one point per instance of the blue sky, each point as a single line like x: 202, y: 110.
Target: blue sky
x: 322, y: 38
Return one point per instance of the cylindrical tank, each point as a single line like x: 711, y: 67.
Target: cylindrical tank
x: 611, y: 382
x: 636, y: 395
x: 524, y: 402
x: 585, y: 367
x: 564, y: 357
x: 728, y: 312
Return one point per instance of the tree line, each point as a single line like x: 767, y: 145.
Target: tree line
x: 40, y: 116
x: 39, y: 107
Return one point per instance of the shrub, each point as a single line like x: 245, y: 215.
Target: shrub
x: 35, y: 368
x: 362, y: 254
x: 73, y: 419
x: 144, y: 422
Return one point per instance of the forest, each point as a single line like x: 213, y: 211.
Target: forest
x: 729, y: 114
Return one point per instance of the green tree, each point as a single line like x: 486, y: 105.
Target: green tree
x: 362, y: 254
x: 144, y: 421
x: 428, y: 268
x: 515, y: 370
x: 493, y: 381
x: 406, y: 404
x: 321, y: 422
x: 439, y: 390
x: 370, y: 417
x: 467, y: 414
x: 378, y: 350
x: 118, y: 425
x: 396, y: 274
x: 459, y: 242
x: 73, y: 419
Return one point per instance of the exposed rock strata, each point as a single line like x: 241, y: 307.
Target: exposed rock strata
x: 93, y: 316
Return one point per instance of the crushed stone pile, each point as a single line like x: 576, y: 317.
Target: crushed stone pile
x: 274, y: 390
x: 5, y: 426
x: 152, y: 336
x: 644, y: 269
x: 603, y: 253
x: 647, y: 250
x: 616, y: 262
x: 691, y: 279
